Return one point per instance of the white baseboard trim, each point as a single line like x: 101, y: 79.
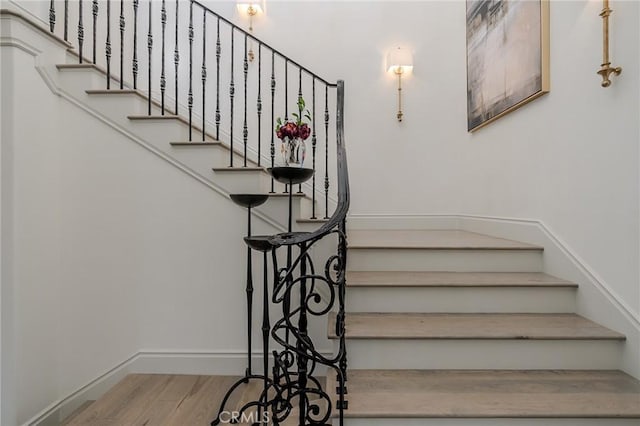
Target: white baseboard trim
x: 214, y: 362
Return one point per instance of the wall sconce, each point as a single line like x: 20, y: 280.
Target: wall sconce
x: 606, y: 69
x: 400, y: 62
x: 250, y: 9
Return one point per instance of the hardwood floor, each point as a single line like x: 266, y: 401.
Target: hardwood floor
x: 159, y: 399
x: 168, y: 400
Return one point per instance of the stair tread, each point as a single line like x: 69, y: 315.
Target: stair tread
x: 472, y: 326
x: 491, y: 394
x: 239, y: 169
x: 197, y: 143
x: 453, y: 279
x: 431, y: 239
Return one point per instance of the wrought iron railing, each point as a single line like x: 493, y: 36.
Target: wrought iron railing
x: 245, y: 113
x: 236, y: 99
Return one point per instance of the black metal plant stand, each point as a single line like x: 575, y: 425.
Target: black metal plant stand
x: 292, y: 383
x: 249, y: 201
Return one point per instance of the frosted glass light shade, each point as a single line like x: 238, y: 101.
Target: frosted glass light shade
x: 399, y: 59
x: 244, y: 6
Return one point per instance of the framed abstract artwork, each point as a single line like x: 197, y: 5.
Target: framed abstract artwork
x: 507, y: 57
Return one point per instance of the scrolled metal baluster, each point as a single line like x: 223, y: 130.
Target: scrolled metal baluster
x: 245, y: 131
x: 122, y: 26
x: 232, y: 91
x: 176, y: 59
x: 190, y: 96
x: 314, y: 140
x: 273, y: 97
x: 80, y: 31
x: 135, y: 44
x: 52, y: 16
x: 326, y: 151
x: 163, y: 79
x: 95, y: 10
x: 259, y: 102
x: 218, y: 53
x: 150, y: 49
x: 66, y: 20
x: 107, y: 49
x: 204, y: 71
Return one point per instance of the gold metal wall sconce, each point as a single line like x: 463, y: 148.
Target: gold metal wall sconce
x: 250, y: 9
x: 399, y: 61
x: 606, y: 69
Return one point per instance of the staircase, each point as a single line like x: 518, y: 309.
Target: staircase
x: 443, y: 327
x: 491, y: 341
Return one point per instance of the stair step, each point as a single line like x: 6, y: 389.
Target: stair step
x: 472, y: 326
x: 431, y: 239
x: 453, y: 279
x: 439, y: 250
x: 198, y: 143
x: 470, y: 292
x: 490, y: 394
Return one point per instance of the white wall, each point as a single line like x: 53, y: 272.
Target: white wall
x: 569, y: 159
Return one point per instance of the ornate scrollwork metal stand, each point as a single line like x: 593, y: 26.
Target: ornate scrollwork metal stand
x: 297, y: 288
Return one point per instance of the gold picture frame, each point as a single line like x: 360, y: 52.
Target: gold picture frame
x: 507, y: 57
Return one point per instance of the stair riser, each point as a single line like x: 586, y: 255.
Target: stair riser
x: 483, y: 354
x: 165, y: 131
x: 243, y: 182
x: 444, y: 260
x: 488, y: 422
x: 77, y: 80
x: 200, y: 158
x: 460, y: 299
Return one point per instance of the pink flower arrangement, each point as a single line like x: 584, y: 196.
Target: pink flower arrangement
x: 290, y: 130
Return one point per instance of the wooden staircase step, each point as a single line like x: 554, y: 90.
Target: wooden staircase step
x: 239, y: 169
x: 431, y: 239
x: 453, y: 279
x: 197, y: 143
x: 472, y: 326
x: 490, y: 394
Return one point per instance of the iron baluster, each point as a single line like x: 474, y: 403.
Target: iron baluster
x: 163, y: 79
x: 66, y: 20
x: 286, y: 106
x: 259, y: 103
x: 135, y: 44
x: 108, y: 45
x: 80, y: 31
x: 266, y: 328
x: 176, y: 59
x: 204, y: 71
x: 218, y: 53
x: 326, y: 151
x: 231, y: 94
x: 95, y: 10
x: 122, y: 25
x: 273, y: 97
x: 190, y: 96
x: 299, y: 99
x: 52, y: 16
x: 150, y: 49
x: 313, y: 148
x: 245, y: 132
